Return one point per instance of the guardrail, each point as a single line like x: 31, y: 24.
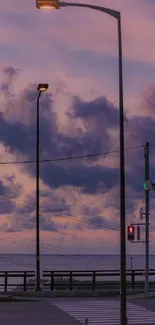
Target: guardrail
x: 70, y: 280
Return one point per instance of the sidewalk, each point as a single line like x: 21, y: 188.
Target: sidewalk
x: 150, y: 295
x: 36, y: 313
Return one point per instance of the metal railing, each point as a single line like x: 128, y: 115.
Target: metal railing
x: 71, y: 280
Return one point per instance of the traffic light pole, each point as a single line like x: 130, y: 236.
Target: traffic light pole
x: 147, y: 199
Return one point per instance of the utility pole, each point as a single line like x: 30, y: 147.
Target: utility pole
x: 147, y: 214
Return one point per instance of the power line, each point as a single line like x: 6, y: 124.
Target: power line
x: 12, y: 262
x: 83, y: 221
x: 71, y: 158
x: 67, y: 158
x: 62, y: 251
x: 76, y: 217
x: 96, y: 224
x: 101, y: 225
x: 17, y: 200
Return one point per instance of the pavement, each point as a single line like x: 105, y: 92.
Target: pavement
x: 35, y: 313
x: 74, y: 311
x: 145, y: 303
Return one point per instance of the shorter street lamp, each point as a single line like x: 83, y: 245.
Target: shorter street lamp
x: 41, y: 88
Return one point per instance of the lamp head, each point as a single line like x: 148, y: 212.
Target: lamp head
x: 47, y: 4
x: 42, y: 87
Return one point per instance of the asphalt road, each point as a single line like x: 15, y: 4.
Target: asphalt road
x: 33, y: 313
x: 148, y: 303
x: 45, y: 312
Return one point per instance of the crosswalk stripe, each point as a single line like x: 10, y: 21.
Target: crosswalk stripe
x: 105, y: 312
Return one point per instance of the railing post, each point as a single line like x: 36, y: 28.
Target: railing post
x: 52, y: 280
x: 6, y: 281
x: 70, y: 281
x: 133, y: 280
x: 24, y: 280
x: 94, y: 280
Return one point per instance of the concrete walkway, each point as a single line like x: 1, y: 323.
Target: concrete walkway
x: 36, y: 313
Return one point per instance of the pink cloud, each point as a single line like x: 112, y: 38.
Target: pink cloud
x: 91, y: 33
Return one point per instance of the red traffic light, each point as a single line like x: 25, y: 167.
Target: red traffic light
x: 131, y: 233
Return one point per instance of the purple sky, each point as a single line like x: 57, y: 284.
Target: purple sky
x: 75, y: 51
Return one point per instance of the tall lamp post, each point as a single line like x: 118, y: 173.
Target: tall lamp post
x: 56, y: 4
x: 41, y: 88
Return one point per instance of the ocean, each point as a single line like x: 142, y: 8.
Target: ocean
x: 17, y: 262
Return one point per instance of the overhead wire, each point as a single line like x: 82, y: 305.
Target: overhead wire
x: 63, y: 252
x: 67, y: 158
x: 75, y: 157
x: 72, y: 158
x: 12, y: 262
x: 84, y: 221
x: 58, y: 159
x: 19, y: 201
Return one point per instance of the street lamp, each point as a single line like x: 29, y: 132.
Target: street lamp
x: 56, y: 4
x: 41, y: 88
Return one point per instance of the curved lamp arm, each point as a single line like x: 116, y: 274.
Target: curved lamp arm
x: 111, y: 12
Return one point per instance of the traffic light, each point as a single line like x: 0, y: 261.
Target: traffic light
x: 148, y: 185
x: 131, y: 233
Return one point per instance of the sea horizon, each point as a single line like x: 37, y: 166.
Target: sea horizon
x: 53, y: 254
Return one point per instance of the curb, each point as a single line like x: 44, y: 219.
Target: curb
x: 73, y: 294
x: 63, y: 294
x: 142, y: 296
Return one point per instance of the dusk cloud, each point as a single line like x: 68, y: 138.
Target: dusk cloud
x: 79, y: 115
x: 98, y: 111
x: 99, y: 117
